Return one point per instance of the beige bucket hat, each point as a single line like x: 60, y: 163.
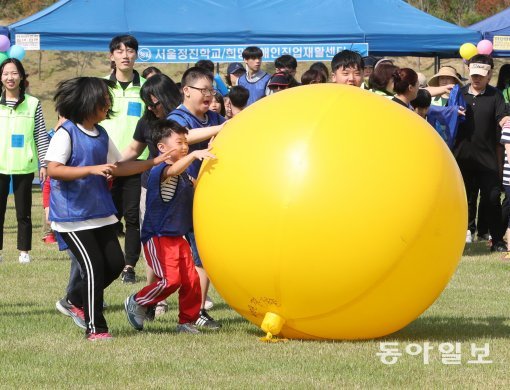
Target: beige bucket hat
x: 444, y: 71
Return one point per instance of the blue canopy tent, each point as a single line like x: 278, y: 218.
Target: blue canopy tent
x: 4, y: 31
x: 496, y: 29
x: 390, y: 27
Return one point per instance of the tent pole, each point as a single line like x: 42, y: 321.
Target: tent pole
x: 437, y: 64
x: 39, y: 65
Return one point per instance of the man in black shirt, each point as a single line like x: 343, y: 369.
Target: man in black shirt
x: 477, y: 144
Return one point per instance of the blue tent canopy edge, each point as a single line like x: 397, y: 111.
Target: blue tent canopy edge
x: 390, y: 27
x: 496, y: 25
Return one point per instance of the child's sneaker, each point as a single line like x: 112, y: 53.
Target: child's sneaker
x: 161, y: 308
x: 206, y: 321
x: 484, y: 237
x: 208, y: 303
x: 151, y: 313
x: 64, y: 307
x: 24, y: 258
x: 469, y: 237
x: 99, y: 336
x: 135, y: 313
x: 128, y: 275
x: 76, y: 313
x: 187, y: 328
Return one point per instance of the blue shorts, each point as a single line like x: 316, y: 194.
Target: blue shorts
x: 190, y: 237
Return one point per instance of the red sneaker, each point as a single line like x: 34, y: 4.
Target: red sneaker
x: 99, y: 336
x: 49, y: 238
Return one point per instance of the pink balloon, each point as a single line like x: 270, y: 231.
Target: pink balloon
x: 484, y: 47
x: 4, y: 43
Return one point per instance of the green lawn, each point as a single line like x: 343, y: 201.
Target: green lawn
x: 40, y: 348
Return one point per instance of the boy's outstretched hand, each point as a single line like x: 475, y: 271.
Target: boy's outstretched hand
x: 163, y: 157
x: 204, y: 153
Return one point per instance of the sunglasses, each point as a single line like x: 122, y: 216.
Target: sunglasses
x: 153, y: 105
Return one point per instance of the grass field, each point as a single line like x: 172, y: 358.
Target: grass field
x: 40, y: 348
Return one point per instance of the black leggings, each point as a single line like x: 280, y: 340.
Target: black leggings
x: 126, y: 197
x: 22, y: 185
x: 100, y: 256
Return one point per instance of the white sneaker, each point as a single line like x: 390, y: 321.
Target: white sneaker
x: 24, y: 258
x: 469, y: 237
x: 208, y: 303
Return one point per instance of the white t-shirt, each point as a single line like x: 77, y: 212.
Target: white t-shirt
x: 60, y: 151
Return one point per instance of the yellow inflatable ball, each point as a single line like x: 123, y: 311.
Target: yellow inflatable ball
x: 330, y: 213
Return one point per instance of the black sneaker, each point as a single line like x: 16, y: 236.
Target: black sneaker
x: 206, y: 321
x: 484, y: 237
x: 499, y: 247
x: 128, y: 275
x: 151, y: 313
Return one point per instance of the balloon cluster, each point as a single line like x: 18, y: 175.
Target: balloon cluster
x: 468, y: 50
x: 8, y: 51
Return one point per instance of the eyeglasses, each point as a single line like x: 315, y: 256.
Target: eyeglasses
x: 153, y: 105
x: 205, y: 91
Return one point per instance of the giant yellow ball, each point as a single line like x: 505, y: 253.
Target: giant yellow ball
x: 336, y: 211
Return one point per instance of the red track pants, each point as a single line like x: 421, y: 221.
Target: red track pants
x: 171, y: 260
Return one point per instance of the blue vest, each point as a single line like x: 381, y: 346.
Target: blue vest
x: 185, y: 118
x: 88, y: 197
x: 257, y: 89
x: 173, y: 218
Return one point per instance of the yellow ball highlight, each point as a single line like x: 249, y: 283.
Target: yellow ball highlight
x: 468, y: 50
x: 337, y: 211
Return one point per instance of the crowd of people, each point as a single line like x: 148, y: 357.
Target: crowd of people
x: 129, y: 147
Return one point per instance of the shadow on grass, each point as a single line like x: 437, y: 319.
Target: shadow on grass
x: 454, y: 329
x: 477, y: 249
x: 441, y: 329
x: 433, y: 328
x: 24, y: 310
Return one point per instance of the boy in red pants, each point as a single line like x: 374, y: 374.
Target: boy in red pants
x: 167, y: 219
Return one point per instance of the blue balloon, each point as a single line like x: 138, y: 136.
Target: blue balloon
x: 16, y: 51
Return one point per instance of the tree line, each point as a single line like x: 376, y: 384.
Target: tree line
x: 461, y: 12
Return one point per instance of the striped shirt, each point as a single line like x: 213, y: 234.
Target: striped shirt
x: 505, y: 139
x: 168, y: 187
x: 40, y: 134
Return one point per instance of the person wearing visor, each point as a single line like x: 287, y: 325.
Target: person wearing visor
x: 476, y: 144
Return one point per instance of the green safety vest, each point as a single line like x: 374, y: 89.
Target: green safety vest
x: 128, y: 108
x: 438, y: 101
x: 386, y: 94
x: 18, y: 154
x: 506, y: 94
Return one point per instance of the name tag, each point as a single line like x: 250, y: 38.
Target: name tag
x: 17, y: 141
x: 134, y: 109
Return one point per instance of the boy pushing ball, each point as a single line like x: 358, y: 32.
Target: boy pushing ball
x: 168, y: 218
